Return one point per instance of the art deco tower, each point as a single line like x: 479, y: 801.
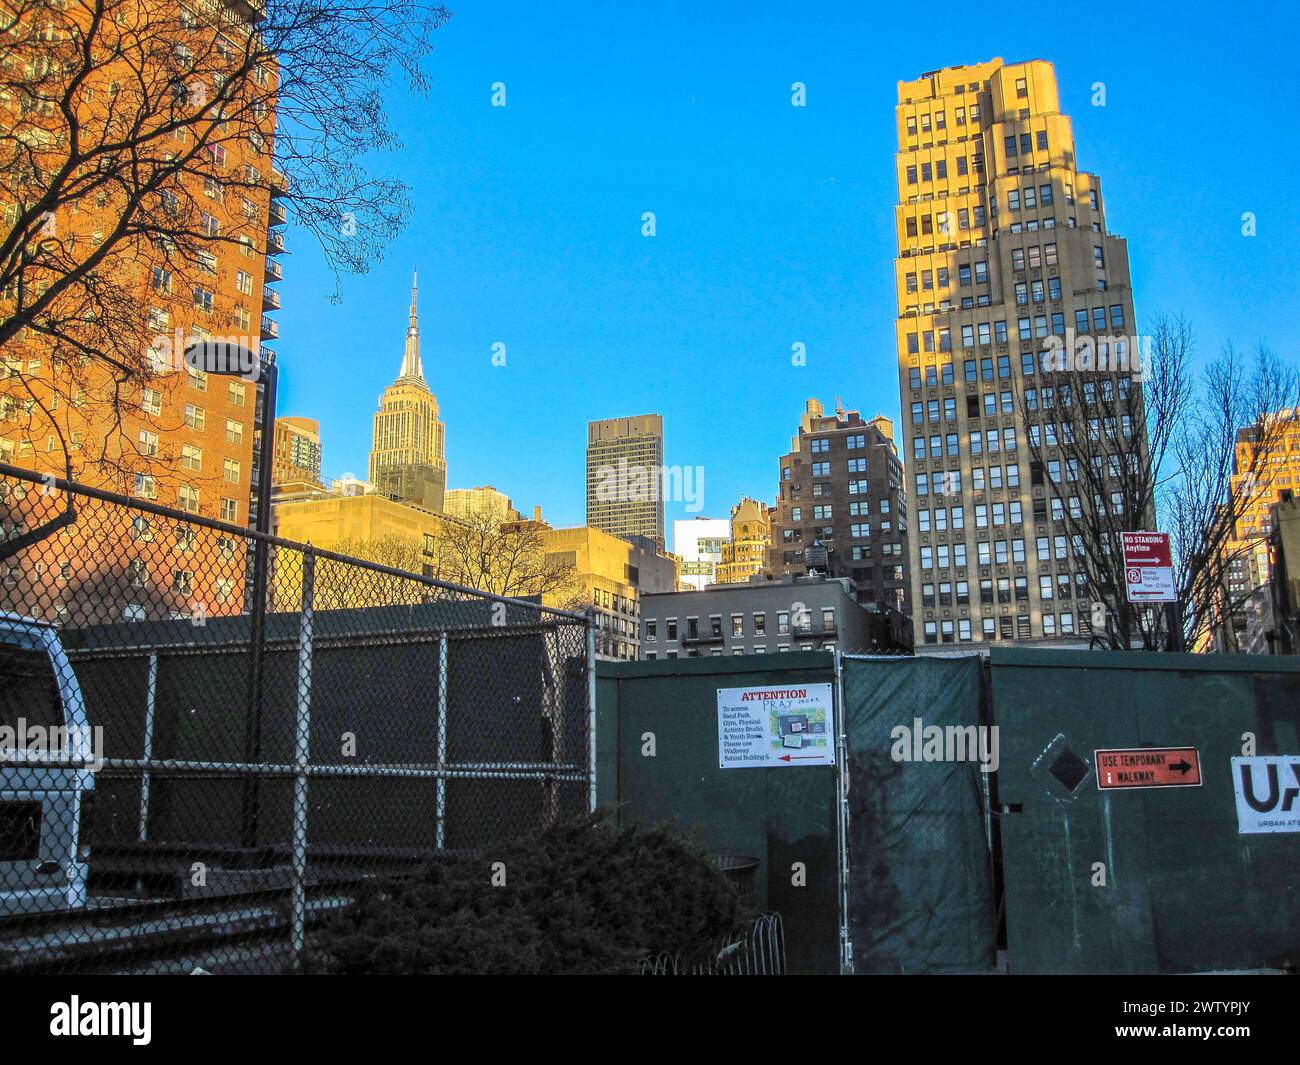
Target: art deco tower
x: 1003, y: 251
x: 408, y: 458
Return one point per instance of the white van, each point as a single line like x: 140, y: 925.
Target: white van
x: 46, y: 759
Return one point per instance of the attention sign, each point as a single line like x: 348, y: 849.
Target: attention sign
x: 1148, y: 767
x: 776, y: 726
x: 1149, y: 567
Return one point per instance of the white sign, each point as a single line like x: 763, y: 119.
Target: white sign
x: 1148, y: 567
x: 1268, y: 793
x: 776, y: 726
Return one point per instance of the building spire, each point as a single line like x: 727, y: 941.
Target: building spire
x: 411, y: 364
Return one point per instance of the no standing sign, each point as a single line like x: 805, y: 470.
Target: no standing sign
x: 1149, y: 567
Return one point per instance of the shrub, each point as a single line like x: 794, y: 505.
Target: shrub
x: 582, y: 897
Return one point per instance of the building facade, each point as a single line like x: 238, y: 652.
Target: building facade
x: 1258, y: 482
x: 842, y: 487
x: 745, y: 553
x: 365, y: 525
x: 612, y: 573
x: 408, y: 458
x: 1003, y: 248
x: 699, y: 543
x: 762, y: 617
x: 466, y: 502
x: 1284, y: 575
x: 297, y: 455
x: 625, y: 459
x: 164, y: 433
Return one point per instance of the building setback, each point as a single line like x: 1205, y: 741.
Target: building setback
x: 625, y: 459
x: 842, y: 485
x: 1002, y: 246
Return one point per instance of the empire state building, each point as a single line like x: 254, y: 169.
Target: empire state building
x: 408, y: 460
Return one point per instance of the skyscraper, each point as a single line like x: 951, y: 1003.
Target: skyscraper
x: 625, y: 476
x: 998, y: 230
x: 408, y: 460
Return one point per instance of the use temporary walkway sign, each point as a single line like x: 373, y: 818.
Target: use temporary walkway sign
x: 1148, y: 767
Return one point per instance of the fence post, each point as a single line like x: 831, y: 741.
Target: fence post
x: 842, y: 816
x: 302, y: 752
x: 591, y: 708
x: 444, y: 678
x: 253, y: 710
x: 146, y: 753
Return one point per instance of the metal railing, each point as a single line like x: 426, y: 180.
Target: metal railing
x: 758, y: 951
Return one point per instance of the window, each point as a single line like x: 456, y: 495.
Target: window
x: 234, y: 431
x: 187, y: 498
x: 229, y: 509
x: 195, y: 417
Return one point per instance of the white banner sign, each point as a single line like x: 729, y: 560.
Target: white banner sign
x: 1268, y: 793
x: 776, y: 726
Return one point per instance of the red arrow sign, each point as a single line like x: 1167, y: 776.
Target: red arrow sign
x: 788, y: 757
x: 1148, y: 767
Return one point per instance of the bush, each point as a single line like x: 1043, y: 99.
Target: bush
x: 582, y: 897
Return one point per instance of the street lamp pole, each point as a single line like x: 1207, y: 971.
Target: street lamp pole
x: 257, y: 616
x: 224, y: 359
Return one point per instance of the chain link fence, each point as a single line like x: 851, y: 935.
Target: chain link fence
x: 210, y: 737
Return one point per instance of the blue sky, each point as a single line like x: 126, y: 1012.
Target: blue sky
x: 774, y: 223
